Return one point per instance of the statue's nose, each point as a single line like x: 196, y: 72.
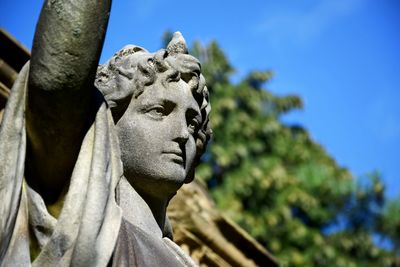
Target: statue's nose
x: 181, y: 130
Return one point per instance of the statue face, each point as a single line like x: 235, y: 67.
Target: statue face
x: 156, y: 137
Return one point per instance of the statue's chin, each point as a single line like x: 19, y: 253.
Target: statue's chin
x: 162, y: 187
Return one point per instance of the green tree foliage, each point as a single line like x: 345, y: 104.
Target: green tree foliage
x: 282, y: 186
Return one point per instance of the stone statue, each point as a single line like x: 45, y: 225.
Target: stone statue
x: 87, y: 171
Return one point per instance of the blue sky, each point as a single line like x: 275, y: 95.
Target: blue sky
x: 341, y: 56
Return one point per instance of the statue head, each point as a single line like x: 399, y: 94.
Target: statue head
x: 160, y: 106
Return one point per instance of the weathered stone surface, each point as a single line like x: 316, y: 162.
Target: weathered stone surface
x: 79, y: 164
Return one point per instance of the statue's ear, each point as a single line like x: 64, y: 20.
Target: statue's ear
x: 177, y: 45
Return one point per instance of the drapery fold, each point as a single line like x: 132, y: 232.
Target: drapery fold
x: 86, y: 231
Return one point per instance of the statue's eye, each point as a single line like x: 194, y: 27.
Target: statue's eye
x: 193, y: 125
x: 157, y: 112
x: 160, y: 109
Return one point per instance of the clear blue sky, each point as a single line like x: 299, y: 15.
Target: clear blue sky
x: 341, y: 56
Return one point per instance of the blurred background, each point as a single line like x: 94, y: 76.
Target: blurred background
x: 305, y: 115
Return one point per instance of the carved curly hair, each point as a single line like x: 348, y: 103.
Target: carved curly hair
x: 131, y: 69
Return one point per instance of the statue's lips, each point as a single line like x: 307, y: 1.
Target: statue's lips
x: 175, y: 155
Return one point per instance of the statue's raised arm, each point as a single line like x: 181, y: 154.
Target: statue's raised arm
x: 67, y: 45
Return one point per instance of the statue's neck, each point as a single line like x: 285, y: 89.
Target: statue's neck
x: 145, y: 212
x: 158, y: 207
